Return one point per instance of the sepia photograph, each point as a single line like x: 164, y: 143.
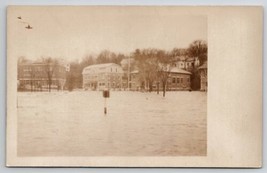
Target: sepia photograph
x: 109, y: 82
x: 104, y: 84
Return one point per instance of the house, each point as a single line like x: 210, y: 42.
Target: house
x: 102, y: 76
x: 178, y: 79
x: 203, y: 71
x: 185, y: 62
x: 37, y: 76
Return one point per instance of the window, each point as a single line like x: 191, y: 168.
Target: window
x: 27, y: 69
x: 173, y: 80
x: 181, y: 80
x: 38, y: 69
x: 178, y: 80
x: 27, y: 75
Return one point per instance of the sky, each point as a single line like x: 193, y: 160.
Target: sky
x: 74, y: 32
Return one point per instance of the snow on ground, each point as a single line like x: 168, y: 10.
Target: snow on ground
x: 137, y: 124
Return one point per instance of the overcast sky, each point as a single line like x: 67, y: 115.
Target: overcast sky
x: 72, y: 33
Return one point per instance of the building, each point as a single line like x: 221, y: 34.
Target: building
x: 203, y: 71
x: 127, y: 64
x: 186, y: 63
x: 41, y: 76
x: 102, y: 76
x: 178, y: 79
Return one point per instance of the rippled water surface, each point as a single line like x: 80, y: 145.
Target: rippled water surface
x: 137, y: 124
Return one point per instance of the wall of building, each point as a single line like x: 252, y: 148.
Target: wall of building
x: 35, y: 76
x: 203, y: 80
x: 176, y: 81
x: 103, y: 78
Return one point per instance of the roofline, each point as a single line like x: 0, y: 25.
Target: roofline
x: 186, y: 72
x: 96, y: 65
x: 24, y: 64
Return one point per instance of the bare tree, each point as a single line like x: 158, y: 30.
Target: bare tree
x: 32, y: 76
x: 146, y: 61
x: 87, y: 60
x: 178, y: 52
x: 165, y: 62
x: 49, y: 69
x: 105, y: 56
x: 198, y: 49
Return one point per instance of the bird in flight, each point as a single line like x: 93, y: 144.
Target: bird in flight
x: 25, y: 23
x: 28, y: 27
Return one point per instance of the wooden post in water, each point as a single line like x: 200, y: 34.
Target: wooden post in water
x: 105, y: 95
x: 105, y: 106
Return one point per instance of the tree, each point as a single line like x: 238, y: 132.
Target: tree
x: 178, y: 52
x: 117, y: 58
x: 49, y: 68
x: 105, y: 56
x: 165, y: 62
x: 70, y: 81
x: 198, y: 49
x: 87, y: 60
x: 76, y: 72
x: 154, y: 65
x: 32, y: 76
x: 146, y: 61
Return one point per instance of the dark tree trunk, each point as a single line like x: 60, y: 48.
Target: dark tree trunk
x: 164, y: 88
x: 157, y: 87
x: 31, y: 85
x: 49, y: 86
x: 150, y: 86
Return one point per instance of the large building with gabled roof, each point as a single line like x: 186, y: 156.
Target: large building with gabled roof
x: 102, y: 76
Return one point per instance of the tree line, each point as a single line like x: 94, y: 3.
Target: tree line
x: 153, y: 64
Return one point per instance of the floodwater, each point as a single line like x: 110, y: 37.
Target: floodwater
x: 136, y: 124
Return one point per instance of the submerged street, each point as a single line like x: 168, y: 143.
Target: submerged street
x: 136, y: 124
